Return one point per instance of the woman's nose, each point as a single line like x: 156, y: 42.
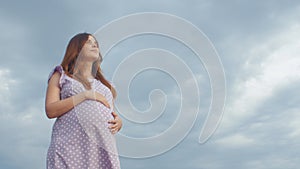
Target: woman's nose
x: 94, y: 45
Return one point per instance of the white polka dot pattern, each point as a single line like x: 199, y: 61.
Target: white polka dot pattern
x: 81, y: 138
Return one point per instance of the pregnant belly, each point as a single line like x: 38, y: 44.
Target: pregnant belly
x: 93, y: 117
x: 93, y: 111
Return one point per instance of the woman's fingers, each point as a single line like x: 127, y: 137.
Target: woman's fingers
x: 114, y: 128
x: 116, y: 124
x: 98, y: 97
x: 105, y: 103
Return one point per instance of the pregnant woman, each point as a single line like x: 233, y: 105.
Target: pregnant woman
x: 81, y: 100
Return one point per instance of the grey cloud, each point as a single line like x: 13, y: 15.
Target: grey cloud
x: 34, y: 40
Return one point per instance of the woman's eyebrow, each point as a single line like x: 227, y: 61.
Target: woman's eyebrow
x: 90, y: 40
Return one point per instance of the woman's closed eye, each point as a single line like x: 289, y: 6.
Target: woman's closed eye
x: 90, y: 42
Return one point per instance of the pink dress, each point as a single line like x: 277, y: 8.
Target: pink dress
x: 81, y: 138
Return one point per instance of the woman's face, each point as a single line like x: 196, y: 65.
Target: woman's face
x: 90, y: 50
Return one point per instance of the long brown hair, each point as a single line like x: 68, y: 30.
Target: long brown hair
x: 73, y: 49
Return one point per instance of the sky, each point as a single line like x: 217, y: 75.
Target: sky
x: 258, y: 46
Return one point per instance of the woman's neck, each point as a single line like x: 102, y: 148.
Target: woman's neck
x: 85, y: 69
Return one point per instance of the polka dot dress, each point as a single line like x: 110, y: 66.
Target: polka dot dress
x: 81, y: 138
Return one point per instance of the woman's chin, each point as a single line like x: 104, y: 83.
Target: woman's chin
x: 91, y: 58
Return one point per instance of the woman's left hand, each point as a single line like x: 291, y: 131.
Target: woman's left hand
x: 116, y: 123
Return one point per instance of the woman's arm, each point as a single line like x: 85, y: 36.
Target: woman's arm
x: 56, y: 107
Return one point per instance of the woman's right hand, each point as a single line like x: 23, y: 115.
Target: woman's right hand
x: 93, y: 95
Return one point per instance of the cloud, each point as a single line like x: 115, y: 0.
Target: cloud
x: 236, y: 140
x: 271, y: 65
x: 260, y: 118
x: 258, y: 45
x: 26, y: 133
x: 6, y: 84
